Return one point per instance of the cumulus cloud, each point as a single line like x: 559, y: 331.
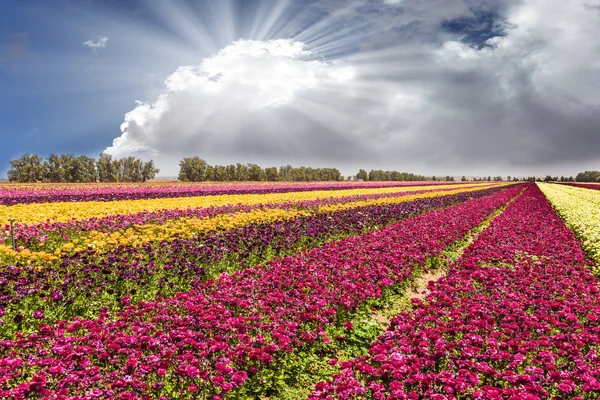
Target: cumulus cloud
x: 252, y: 99
x: 97, y: 43
x: 529, y: 97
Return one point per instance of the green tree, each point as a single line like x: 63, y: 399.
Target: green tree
x: 362, y: 175
x: 257, y: 174
x: 130, y: 169
x: 272, y: 174
x: 220, y: 173
x: 27, y: 168
x: 192, y: 169
x: 231, y: 172
x: 149, y: 171
x: 54, y: 169
x: 588, y: 176
x: 210, y: 173
x: 242, y: 172
x: 82, y: 169
x: 285, y: 173
x: 107, y: 168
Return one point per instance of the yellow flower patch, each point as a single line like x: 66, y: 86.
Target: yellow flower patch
x: 186, y: 228
x: 580, y: 209
x: 61, y: 212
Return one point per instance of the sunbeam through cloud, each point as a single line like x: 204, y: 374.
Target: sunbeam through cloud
x: 460, y: 84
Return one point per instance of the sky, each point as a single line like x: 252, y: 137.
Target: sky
x: 458, y: 87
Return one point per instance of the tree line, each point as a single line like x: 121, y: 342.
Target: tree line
x: 588, y: 176
x: 379, y: 175
x: 80, y: 169
x: 195, y: 169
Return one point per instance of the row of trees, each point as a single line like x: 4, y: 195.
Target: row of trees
x: 195, y: 169
x: 70, y: 168
x: 588, y: 176
x: 550, y: 178
x: 379, y: 175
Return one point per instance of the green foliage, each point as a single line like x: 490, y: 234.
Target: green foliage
x: 362, y: 175
x: 107, y: 168
x: 195, y: 169
x: 28, y: 168
x: 192, y: 169
x: 293, y: 376
x: 131, y: 169
x: 588, y: 176
x: 380, y: 175
x: 70, y: 168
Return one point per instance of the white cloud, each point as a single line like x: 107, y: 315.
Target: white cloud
x: 97, y: 43
x: 530, y: 98
x: 252, y: 96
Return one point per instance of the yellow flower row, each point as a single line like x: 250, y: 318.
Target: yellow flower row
x: 62, y: 212
x: 190, y: 227
x: 580, y: 209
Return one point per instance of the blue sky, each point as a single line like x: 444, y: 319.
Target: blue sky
x: 56, y: 95
x: 461, y: 87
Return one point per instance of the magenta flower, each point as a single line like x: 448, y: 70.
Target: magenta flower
x: 39, y: 314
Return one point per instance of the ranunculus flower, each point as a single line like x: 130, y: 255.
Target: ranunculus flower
x: 239, y: 377
x: 39, y: 314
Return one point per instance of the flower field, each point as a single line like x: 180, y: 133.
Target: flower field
x: 277, y: 291
x: 516, y: 317
x: 49, y: 193
x: 48, y: 230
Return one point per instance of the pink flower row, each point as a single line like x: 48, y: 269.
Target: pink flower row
x: 518, y: 317
x: 211, y: 340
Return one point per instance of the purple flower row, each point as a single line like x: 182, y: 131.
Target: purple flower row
x: 518, y: 317
x: 12, y: 197
x: 210, y: 340
x: 82, y: 283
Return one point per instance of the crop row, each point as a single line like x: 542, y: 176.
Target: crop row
x: 517, y: 317
x: 47, y: 244
x: 593, y: 186
x: 29, y: 214
x: 213, y: 339
x: 11, y: 196
x: 580, y: 208
x: 82, y: 283
x: 25, y: 234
